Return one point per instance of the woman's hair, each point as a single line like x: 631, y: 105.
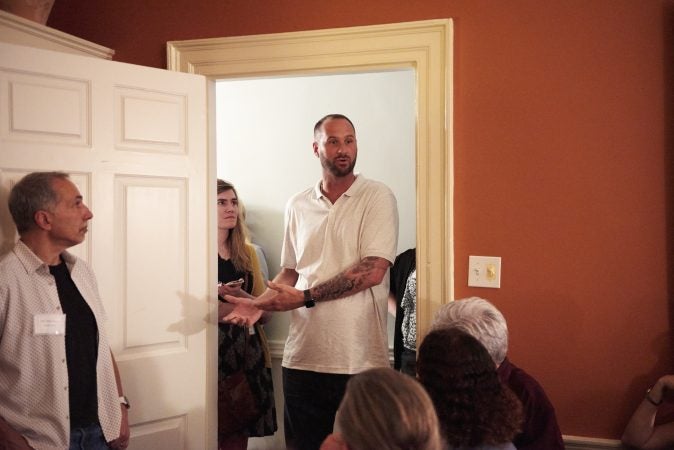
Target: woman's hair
x: 479, y: 318
x: 387, y: 410
x: 473, y: 407
x: 238, y: 236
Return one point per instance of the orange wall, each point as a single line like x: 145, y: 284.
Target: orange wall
x: 564, y: 143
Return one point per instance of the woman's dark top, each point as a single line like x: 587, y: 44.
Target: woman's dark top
x: 231, y: 354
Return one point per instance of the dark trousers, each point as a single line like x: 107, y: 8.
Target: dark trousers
x: 311, y: 402
x: 408, y: 362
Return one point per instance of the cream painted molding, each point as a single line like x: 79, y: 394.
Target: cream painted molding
x: 586, y: 443
x: 425, y: 46
x: 20, y: 31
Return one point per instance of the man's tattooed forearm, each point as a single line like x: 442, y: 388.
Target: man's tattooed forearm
x: 351, y: 280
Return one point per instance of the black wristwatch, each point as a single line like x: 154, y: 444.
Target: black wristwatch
x: 308, y: 301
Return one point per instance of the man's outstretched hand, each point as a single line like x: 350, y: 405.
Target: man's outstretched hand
x: 278, y: 297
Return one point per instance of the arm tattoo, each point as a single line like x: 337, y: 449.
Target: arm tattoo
x: 352, y: 280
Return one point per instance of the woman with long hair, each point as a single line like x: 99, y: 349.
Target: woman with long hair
x: 475, y: 410
x: 385, y: 410
x: 241, y: 346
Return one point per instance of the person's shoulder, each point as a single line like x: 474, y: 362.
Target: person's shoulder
x: 520, y: 377
x: 372, y: 190
x: 7, y: 258
x: 17, y: 256
x: 374, y: 185
x: 10, y: 269
x: 8, y: 265
x: 526, y: 386
x: 250, y: 248
x: 302, y: 195
x: 408, y: 256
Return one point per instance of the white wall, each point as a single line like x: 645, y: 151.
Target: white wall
x: 264, y: 137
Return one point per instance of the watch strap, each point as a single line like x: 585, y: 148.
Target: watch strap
x: 308, y: 301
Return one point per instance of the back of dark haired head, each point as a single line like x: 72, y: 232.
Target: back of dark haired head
x: 454, y: 354
x: 473, y: 407
x: 318, y: 125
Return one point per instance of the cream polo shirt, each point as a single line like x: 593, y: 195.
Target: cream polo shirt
x: 33, y: 371
x: 347, y: 335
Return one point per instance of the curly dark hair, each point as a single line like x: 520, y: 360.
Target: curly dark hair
x: 473, y: 407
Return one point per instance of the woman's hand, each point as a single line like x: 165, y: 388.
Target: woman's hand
x: 237, y: 313
x: 226, y: 308
x: 236, y: 291
x: 243, y: 314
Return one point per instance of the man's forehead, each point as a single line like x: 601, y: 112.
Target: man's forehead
x: 338, y: 126
x: 65, y: 188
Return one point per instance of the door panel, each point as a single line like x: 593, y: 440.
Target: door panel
x: 134, y: 140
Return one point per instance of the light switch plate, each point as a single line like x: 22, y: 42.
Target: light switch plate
x: 484, y: 271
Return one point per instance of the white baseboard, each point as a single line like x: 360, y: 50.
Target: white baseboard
x: 276, y: 348
x: 588, y: 443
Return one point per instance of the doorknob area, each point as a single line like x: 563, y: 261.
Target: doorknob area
x: 484, y: 271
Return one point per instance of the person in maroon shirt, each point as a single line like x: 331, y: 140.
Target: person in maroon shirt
x: 485, y: 322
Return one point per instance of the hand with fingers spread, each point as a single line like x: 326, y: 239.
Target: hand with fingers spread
x: 278, y: 297
x: 228, y: 312
x: 243, y: 314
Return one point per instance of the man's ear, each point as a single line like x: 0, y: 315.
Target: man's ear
x: 315, y: 146
x: 42, y: 220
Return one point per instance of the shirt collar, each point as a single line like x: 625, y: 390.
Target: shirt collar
x: 31, y: 262
x: 353, y: 189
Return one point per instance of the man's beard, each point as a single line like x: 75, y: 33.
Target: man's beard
x: 336, y: 171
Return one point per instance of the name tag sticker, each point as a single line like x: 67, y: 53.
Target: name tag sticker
x: 49, y: 324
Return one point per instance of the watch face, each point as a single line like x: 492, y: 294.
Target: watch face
x: 308, y: 301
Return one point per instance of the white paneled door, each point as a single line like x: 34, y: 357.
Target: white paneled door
x: 134, y: 140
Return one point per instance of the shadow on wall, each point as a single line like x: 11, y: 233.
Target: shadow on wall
x: 194, y: 319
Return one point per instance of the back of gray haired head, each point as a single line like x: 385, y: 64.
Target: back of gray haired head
x: 31, y: 194
x: 479, y: 318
